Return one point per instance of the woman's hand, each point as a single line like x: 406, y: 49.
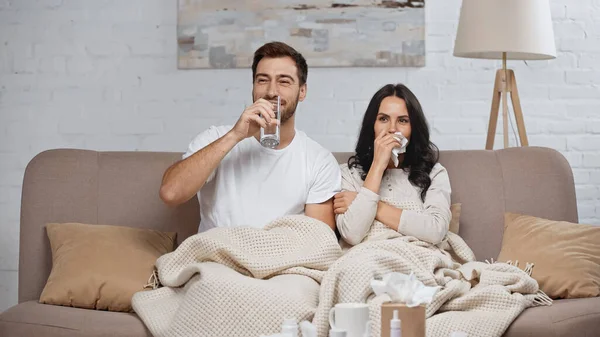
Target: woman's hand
x: 384, y: 143
x: 342, y: 201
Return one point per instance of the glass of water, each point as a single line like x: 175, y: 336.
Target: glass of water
x: 269, y: 136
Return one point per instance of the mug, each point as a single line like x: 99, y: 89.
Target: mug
x: 351, y: 317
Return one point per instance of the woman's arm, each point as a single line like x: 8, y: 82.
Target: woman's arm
x: 388, y: 215
x: 373, y: 179
x: 432, y: 224
x: 355, y: 222
x: 355, y: 209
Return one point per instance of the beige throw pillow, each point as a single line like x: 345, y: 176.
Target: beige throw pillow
x: 101, y: 266
x: 455, y: 221
x: 566, y: 256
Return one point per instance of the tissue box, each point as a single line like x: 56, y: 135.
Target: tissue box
x: 413, y: 319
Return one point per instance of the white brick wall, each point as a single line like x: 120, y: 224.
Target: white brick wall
x: 102, y: 75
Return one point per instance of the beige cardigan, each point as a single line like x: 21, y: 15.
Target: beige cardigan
x: 427, y: 221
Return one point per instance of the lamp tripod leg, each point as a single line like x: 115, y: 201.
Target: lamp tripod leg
x: 505, y: 84
x: 516, y: 101
x: 489, y: 145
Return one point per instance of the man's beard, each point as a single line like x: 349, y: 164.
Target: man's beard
x: 288, y: 109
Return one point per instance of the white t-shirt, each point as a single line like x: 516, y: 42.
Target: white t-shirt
x: 254, y: 185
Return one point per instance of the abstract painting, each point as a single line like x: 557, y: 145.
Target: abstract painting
x: 338, y: 33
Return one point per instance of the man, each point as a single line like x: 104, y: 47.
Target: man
x: 241, y: 183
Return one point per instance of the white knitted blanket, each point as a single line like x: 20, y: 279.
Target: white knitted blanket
x: 240, y: 281
x: 478, y: 298
x: 245, y: 281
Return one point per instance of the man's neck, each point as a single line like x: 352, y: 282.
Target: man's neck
x: 287, y: 132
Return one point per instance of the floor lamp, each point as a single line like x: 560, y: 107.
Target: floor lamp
x: 505, y: 30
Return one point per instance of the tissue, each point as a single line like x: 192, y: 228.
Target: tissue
x: 398, y: 150
x: 404, y: 288
x: 308, y: 329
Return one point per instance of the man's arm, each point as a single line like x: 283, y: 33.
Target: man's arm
x: 322, y: 211
x: 327, y: 182
x: 184, y: 179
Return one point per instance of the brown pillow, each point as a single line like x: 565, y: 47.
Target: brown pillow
x: 566, y: 256
x: 455, y: 221
x: 101, y: 266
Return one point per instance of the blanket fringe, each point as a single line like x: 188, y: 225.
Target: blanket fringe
x: 542, y: 299
x: 153, y: 281
x: 528, y: 266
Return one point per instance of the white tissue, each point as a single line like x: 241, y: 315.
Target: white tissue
x: 398, y: 150
x: 308, y: 329
x: 404, y: 288
x: 278, y: 335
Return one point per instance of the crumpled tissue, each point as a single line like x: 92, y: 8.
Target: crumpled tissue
x: 398, y: 150
x: 404, y: 288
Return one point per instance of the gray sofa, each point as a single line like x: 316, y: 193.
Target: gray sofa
x: 121, y: 188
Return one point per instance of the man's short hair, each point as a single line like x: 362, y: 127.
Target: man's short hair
x: 280, y: 49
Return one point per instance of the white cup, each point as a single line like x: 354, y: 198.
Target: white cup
x: 351, y: 317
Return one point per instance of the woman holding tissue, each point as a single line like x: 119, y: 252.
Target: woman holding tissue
x: 394, y: 179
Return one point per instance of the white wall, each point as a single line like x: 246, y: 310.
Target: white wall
x: 102, y: 75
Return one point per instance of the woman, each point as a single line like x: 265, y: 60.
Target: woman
x: 412, y: 198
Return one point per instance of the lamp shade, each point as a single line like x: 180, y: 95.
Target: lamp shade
x: 521, y: 28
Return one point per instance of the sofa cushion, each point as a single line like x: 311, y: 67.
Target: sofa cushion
x: 36, y: 319
x: 564, y: 318
x: 101, y: 266
x: 455, y: 221
x: 566, y: 256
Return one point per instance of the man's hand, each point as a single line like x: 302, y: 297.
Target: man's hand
x: 342, y: 201
x: 260, y: 114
